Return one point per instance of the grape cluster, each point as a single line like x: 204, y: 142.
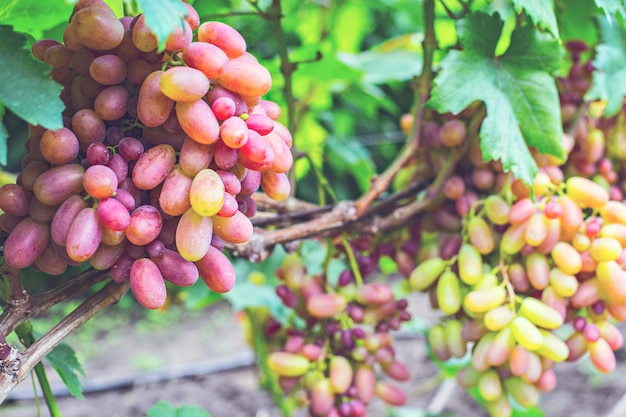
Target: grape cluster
x: 524, y: 269
x: 158, y: 158
x: 343, y: 357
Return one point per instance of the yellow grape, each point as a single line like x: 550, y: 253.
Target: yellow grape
x: 518, y: 361
x: 611, y: 278
x: 501, y: 347
x: 541, y: 184
x: 480, y: 235
x: 536, y: 229
x: 193, y: 235
x: 456, y: 345
x: 567, y: 258
x: 571, y: 218
x: 426, y: 273
x: 287, y: 364
x: 537, y: 270
x: 614, y: 212
x: 479, y: 354
x: 552, y: 347
x: 615, y: 230
x: 586, y: 193
x: 581, y: 242
x: 513, y: 239
x: 524, y: 393
x: 437, y: 342
x: 526, y: 333
x: 604, y: 249
x: 497, y: 210
x: 486, y: 280
x: 489, y: 385
x: 501, y: 407
x: 449, y: 293
x: 563, y: 284
x: 498, y: 318
x: 470, y: 264
x: 207, y: 193
x: 540, y: 313
x: 483, y: 300
x: 602, y: 356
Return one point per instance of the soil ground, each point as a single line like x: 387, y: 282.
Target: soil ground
x: 197, y: 343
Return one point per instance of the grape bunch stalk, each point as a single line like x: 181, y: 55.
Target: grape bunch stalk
x: 160, y: 154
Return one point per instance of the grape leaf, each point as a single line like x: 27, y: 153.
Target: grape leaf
x: 576, y: 21
x: 36, y: 16
x: 609, y: 79
x: 165, y: 409
x: 25, y: 85
x: 163, y: 17
x: 612, y: 7
x: 517, y: 89
x: 541, y: 12
x: 4, y: 135
x: 63, y: 360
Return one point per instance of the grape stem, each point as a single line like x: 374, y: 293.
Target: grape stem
x: 507, y: 283
x: 354, y: 266
x: 423, y: 83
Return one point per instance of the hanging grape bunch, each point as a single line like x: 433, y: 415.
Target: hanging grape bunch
x: 159, y: 157
x: 343, y: 357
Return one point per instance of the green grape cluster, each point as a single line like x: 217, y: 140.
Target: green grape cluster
x: 526, y: 268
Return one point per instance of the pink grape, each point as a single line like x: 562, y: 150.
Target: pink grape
x: 26, y: 243
x: 216, y: 271
x: 84, y: 235
x: 113, y: 214
x: 145, y: 225
x: 147, y: 284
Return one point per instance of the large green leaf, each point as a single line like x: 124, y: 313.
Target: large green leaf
x: 609, y: 80
x: 612, y: 7
x: 576, y: 21
x: 25, y: 84
x: 35, y: 16
x: 541, y: 12
x: 63, y: 360
x: 518, y: 91
x: 163, y: 17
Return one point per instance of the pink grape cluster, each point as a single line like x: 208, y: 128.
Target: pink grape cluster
x: 344, y: 357
x: 159, y: 157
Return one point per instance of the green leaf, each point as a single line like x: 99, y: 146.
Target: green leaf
x: 63, y: 360
x: 4, y: 135
x: 576, y: 21
x: 351, y: 157
x: 612, y: 7
x: 541, y: 12
x: 609, y: 79
x: 162, y: 409
x: 519, y: 93
x: 34, y: 16
x: 163, y: 17
x: 25, y: 85
x: 384, y: 67
x: 191, y: 411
